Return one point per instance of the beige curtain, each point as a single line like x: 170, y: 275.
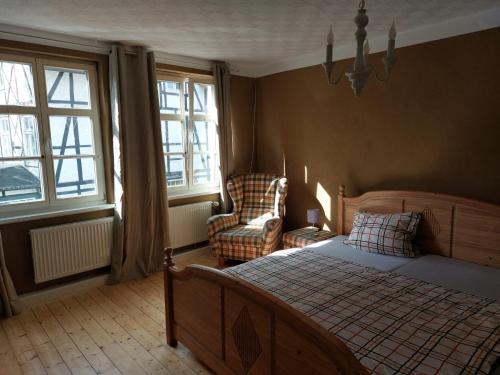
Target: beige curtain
x: 222, y: 79
x: 9, y: 304
x: 141, y: 215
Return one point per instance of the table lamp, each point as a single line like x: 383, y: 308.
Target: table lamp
x: 313, y: 216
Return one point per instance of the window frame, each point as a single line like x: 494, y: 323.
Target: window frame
x: 181, y: 117
x: 41, y: 112
x: 189, y: 188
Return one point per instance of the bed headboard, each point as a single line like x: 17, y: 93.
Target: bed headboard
x: 451, y: 226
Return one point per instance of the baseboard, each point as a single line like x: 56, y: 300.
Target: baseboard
x: 192, y: 247
x: 189, y: 252
x: 66, y: 290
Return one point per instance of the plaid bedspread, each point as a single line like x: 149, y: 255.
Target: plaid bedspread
x: 392, y: 323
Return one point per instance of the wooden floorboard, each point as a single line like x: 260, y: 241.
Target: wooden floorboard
x: 111, y: 330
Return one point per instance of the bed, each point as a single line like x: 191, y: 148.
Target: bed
x: 275, y: 315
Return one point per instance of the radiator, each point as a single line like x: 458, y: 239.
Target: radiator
x: 188, y: 223
x: 68, y: 249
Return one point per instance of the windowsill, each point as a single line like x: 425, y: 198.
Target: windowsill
x: 16, y: 218
x: 30, y: 216
x: 193, y: 194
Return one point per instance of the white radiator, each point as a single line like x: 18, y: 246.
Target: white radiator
x: 188, y: 223
x: 68, y: 249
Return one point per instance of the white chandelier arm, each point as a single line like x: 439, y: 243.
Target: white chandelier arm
x: 328, y: 71
x: 389, y: 62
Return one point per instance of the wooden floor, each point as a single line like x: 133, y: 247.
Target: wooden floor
x: 117, y: 329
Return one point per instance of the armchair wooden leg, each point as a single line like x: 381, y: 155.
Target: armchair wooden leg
x: 221, y: 261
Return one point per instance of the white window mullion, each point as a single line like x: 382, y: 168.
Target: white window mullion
x: 190, y: 127
x: 45, y: 134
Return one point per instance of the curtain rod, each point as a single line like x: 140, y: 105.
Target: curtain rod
x: 96, y: 47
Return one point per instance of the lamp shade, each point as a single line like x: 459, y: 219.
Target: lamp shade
x: 313, y: 215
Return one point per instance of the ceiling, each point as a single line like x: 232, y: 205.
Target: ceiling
x: 246, y: 33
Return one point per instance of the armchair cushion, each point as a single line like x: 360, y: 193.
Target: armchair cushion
x: 241, y: 235
x: 259, y: 195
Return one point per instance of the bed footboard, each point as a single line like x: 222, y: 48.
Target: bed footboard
x: 237, y: 328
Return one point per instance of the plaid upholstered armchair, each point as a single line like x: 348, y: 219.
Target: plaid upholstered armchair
x: 253, y: 229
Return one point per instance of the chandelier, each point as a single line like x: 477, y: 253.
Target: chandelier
x: 362, y: 68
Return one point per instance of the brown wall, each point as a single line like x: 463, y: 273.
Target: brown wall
x: 434, y: 126
x: 242, y: 112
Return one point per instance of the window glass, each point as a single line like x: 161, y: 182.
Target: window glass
x: 172, y: 134
x: 205, y: 136
x: 75, y: 177
x: 18, y: 136
x: 174, y: 165
x: 203, y: 169
x: 16, y: 84
x: 203, y: 100
x: 67, y: 88
x: 20, y: 181
x: 71, y: 135
x: 169, y: 96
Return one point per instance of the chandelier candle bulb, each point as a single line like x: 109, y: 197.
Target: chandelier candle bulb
x: 329, y: 46
x: 392, y: 31
x: 392, y: 39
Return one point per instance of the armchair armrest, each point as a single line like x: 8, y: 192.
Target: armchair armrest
x: 271, y: 234
x: 218, y: 223
x: 271, y: 225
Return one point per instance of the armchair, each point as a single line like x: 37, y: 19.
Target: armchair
x: 253, y: 229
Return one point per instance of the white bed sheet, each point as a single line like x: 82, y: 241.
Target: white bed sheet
x: 336, y: 247
x: 455, y: 274
x: 463, y: 276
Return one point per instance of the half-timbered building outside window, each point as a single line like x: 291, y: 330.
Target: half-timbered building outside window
x: 189, y: 135
x: 50, y: 145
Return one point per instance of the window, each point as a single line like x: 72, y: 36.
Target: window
x: 189, y: 135
x: 50, y: 151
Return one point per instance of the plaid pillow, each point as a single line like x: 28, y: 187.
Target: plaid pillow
x: 390, y: 234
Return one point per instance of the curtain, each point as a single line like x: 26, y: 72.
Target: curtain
x: 141, y: 214
x: 9, y: 304
x: 222, y: 79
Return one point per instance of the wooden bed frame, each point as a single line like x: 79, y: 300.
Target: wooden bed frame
x: 451, y: 226
x: 237, y: 328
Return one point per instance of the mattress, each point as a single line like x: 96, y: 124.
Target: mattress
x: 451, y: 273
x: 336, y: 247
x: 455, y: 274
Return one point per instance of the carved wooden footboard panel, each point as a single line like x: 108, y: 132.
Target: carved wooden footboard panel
x: 236, y: 328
